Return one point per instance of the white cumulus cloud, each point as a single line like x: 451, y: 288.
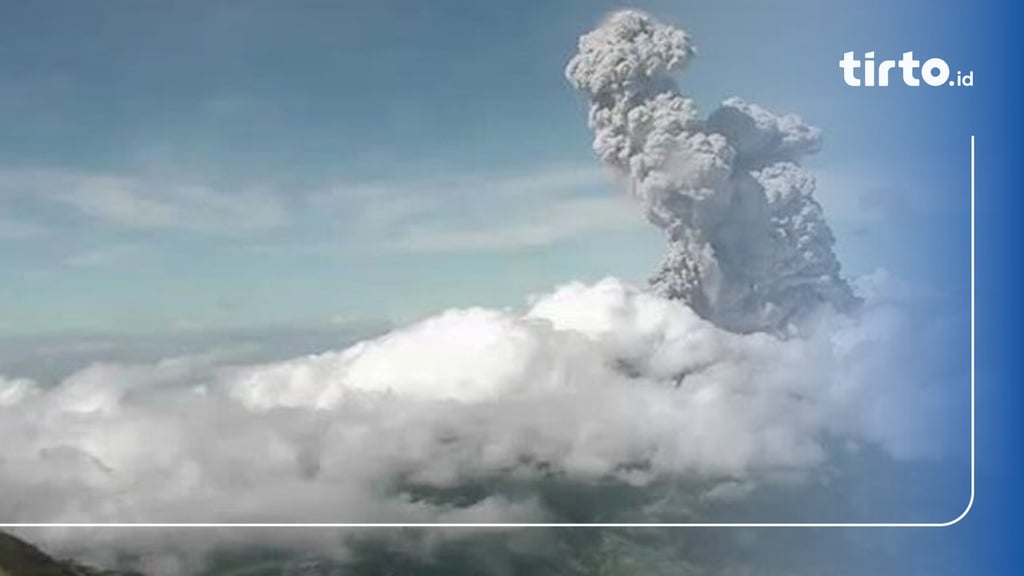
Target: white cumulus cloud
x: 593, y: 383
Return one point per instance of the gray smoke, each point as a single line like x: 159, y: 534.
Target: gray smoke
x: 749, y: 247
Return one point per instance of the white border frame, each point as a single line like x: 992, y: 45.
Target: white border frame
x: 967, y: 509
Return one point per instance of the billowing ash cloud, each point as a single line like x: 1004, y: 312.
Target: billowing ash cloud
x: 749, y: 247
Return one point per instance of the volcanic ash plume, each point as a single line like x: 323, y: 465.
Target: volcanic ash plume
x: 749, y: 248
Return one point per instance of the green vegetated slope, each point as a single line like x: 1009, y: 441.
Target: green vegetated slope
x: 19, y: 558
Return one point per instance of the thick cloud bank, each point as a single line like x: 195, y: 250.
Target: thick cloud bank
x: 749, y: 247
x: 593, y: 383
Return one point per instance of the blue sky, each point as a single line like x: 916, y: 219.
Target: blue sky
x: 209, y: 165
